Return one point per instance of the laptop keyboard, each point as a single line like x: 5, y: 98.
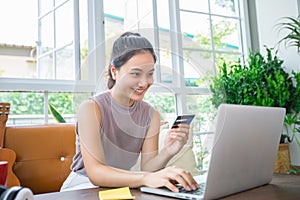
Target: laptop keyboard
x: 199, y: 191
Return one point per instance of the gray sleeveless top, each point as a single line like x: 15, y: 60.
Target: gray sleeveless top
x: 122, y: 131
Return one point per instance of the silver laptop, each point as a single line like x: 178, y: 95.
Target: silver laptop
x: 243, y: 154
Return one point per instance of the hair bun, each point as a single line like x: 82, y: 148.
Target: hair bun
x: 127, y: 34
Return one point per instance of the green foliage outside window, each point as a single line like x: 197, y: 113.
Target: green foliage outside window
x: 26, y: 103
x: 163, y: 103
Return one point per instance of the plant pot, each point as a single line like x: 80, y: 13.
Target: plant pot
x: 282, y: 165
x: 294, y: 146
x: 295, y: 151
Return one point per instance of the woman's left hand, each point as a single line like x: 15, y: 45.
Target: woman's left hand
x: 176, y: 138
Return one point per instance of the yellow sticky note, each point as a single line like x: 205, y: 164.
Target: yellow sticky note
x: 114, y: 194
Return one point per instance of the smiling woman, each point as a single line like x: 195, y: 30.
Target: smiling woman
x: 68, y: 33
x: 135, y: 77
x: 115, y: 127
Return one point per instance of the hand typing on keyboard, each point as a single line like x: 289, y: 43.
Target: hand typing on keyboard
x: 169, y: 177
x: 198, y: 191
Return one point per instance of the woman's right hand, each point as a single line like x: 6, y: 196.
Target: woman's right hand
x: 170, y: 176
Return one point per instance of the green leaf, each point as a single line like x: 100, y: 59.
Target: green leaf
x: 292, y: 38
x: 56, y: 114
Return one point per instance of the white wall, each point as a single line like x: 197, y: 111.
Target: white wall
x: 269, y: 13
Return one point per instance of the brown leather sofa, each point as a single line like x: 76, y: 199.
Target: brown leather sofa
x: 44, y: 154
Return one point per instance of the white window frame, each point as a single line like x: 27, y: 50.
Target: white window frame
x: 178, y: 87
x: 96, y: 40
x: 85, y: 86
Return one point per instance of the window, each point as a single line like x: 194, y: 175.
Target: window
x: 70, y: 45
x: 30, y: 107
x: 56, y: 58
x: 191, y: 38
x: 46, y: 61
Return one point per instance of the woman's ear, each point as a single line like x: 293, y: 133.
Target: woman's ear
x: 113, y: 71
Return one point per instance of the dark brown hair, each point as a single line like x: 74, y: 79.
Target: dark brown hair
x: 124, y: 48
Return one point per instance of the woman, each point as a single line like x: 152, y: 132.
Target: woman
x: 116, y: 126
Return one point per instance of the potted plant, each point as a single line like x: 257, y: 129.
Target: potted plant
x: 291, y: 38
x: 262, y: 82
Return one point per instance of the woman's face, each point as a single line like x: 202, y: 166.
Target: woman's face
x: 134, y: 78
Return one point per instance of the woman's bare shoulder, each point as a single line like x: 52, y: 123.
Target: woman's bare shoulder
x: 87, y: 106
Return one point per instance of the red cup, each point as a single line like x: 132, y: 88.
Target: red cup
x: 3, y: 172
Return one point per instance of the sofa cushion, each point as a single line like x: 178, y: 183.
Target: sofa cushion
x: 44, y: 154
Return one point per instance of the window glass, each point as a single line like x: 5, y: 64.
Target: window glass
x: 224, y: 7
x: 45, y: 68
x: 67, y: 104
x: 56, y: 58
x: 17, y: 66
x: 210, y: 41
x: 197, y: 65
x: 195, y: 35
x: 164, y: 103
x: 166, y: 69
x: 204, y: 110
x: 25, y: 107
x: 46, y: 6
x: 46, y: 42
x: 18, y: 25
x: 225, y: 34
x: 164, y: 41
x: 229, y: 59
x: 194, y: 5
x: 162, y: 12
x: 64, y: 63
x: 28, y: 107
x: 116, y: 7
x: 131, y: 14
x: 114, y: 16
x: 205, y: 45
x: 59, y: 2
x: 64, y: 25
x: 145, y: 12
x: 202, y: 126
x: 18, y: 36
x: 83, y: 13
